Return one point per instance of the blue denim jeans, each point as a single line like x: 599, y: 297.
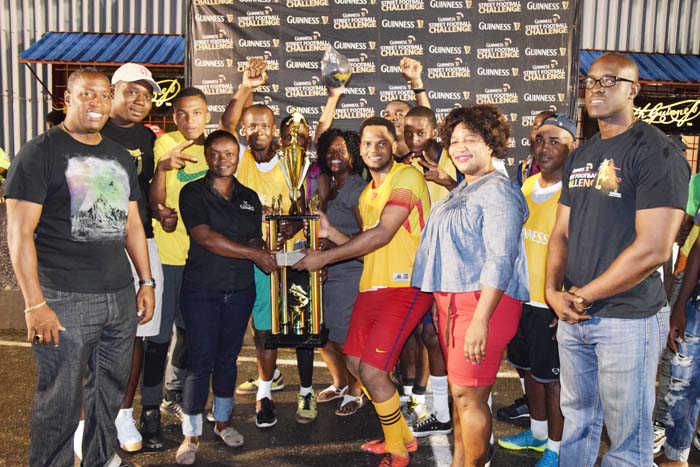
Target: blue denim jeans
x: 89, y: 368
x: 216, y: 322
x: 683, y: 396
x: 608, y: 375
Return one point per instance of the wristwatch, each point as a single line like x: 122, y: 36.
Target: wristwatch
x: 150, y: 282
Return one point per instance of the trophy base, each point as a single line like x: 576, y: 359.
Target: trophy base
x: 309, y: 341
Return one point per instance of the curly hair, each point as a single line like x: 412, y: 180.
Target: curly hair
x: 484, y: 119
x: 352, y: 142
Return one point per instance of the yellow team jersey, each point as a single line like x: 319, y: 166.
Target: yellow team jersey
x: 173, y: 247
x: 267, y: 180
x: 439, y: 192
x: 536, y: 233
x: 391, y: 265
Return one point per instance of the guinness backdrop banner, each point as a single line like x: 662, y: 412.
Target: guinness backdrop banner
x: 515, y: 54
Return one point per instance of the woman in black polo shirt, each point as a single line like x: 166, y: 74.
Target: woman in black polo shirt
x: 222, y: 218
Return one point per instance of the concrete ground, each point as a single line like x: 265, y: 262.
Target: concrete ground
x: 329, y: 441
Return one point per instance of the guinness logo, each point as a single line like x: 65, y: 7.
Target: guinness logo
x: 230, y: 18
x: 467, y: 49
x: 562, y: 51
x: 372, y: 2
x: 372, y: 45
x: 419, y: 22
x: 565, y: 5
x: 222, y: 34
x: 515, y: 71
x: 513, y: 117
x: 516, y: 25
x: 511, y: 161
x: 275, y: 87
x: 371, y: 90
x: 561, y: 97
x: 275, y: 42
x: 229, y: 62
x: 467, y: 4
x: 466, y: 95
x: 324, y: 19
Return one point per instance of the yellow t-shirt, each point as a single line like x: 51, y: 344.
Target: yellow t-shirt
x: 173, y: 247
x: 536, y: 233
x: 267, y: 180
x: 4, y: 162
x: 391, y: 265
x: 439, y: 192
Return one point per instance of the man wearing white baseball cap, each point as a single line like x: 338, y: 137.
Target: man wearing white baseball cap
x: 134, y: 87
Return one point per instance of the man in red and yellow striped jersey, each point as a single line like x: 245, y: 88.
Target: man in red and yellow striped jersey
x: 394, y: 208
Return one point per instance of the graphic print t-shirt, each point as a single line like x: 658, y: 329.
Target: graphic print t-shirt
x: 606, y: 181
x: 85, y: 192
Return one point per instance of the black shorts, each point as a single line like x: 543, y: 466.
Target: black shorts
x: 534, y: 347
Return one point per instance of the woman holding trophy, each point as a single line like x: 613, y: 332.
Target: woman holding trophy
x: 222, y: 218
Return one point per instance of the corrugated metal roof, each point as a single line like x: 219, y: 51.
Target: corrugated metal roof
x: 75, y: 47
x: 653, y: 67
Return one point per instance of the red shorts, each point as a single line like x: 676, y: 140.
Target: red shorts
x: 502, y: 327
x: 382, y: 320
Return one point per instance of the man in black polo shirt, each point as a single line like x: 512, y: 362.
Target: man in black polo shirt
x: 623, y: 197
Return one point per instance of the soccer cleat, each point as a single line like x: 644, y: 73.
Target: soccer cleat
x: 414, y: 411
x: 549, y: 459
x: 306, y: 408
x: 379, y: 447
x: 265, y: 413
x: 129, y: 437
x: 431, y: 426
x: 517, y: 409
x: 150, y: 429
x: 521, y: 441
x: 659, y: 436
x: 394, y: 460
x: 251, y: 386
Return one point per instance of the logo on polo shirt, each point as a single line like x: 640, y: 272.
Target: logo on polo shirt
x: 247, y: 206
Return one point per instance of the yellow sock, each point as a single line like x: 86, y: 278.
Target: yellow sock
x: 364, y: 390
x: 393, y: 425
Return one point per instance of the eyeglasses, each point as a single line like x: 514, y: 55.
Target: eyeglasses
x: 606, y: 81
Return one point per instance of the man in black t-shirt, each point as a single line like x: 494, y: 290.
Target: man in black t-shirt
x: 623, y: 197
x: 72, y: 211
x: 134, y: 88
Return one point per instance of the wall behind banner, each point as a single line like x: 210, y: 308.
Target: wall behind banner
x: 515, y: 54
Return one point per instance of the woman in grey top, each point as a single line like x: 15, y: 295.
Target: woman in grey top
x: 339, y: 160
x: 472, y: 258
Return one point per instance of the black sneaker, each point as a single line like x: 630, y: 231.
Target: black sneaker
x: 517, y: 409
x: 172, y: 405
x: 431, y: 426
x: 265, y: 413
x: 150, y: 429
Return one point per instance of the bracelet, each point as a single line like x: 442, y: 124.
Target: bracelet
x: 418, y: 91
x: 34, y: 307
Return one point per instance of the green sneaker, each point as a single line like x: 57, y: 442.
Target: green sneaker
x: 251, y: 386
x: 521, y: 441
x: 306, y: 408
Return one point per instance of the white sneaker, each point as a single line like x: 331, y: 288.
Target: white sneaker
x: 129, y: 437
x: 78, y: 440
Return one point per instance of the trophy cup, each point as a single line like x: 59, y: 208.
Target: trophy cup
x: 295, y: 296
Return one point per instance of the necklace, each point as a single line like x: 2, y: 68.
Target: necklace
x: 63, y: 127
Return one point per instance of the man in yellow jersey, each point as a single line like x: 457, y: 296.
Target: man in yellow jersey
x: 428, y: 156
x: 259, y: 170
x: 534, y: 351
x: 394, y: 207
x: 179, y: 158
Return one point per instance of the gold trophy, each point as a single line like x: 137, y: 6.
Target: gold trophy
x: 295, y: 296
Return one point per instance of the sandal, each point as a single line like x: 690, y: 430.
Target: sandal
x: 350, y: 405
x: 331, y: 393
x: 230, y: 436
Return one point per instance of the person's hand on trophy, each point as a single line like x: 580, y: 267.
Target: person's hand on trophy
x: 266, y: 261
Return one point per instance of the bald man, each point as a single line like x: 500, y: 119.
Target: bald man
x: 623, y: 197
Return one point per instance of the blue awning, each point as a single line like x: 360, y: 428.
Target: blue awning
x: 653, y: 67
x: 108, y: 49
